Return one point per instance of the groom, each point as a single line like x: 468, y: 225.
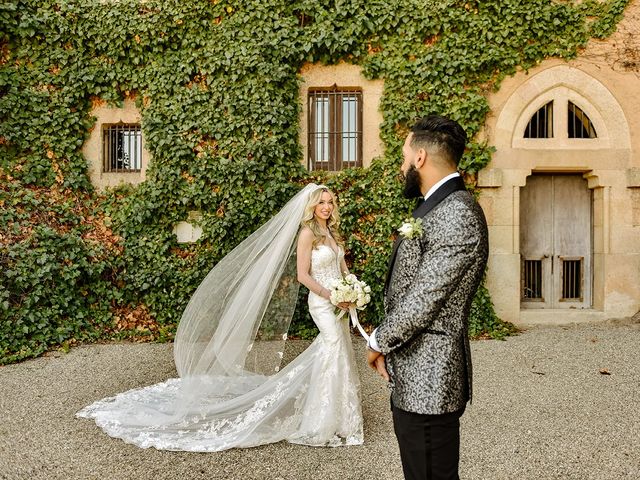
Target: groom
x: 422, y: 346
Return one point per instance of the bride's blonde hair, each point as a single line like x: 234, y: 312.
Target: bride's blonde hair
x: 333, y: 222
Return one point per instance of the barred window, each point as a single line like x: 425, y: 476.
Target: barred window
x: 579, y: 124
x: 335, y: 128
x: 541, y: 123
x: 122, y: 148
x: 532, y: 280
x: 572, y: 278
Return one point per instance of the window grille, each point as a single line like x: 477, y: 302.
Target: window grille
x: 572, y: 279
x: 579, y: 124
x: 541, y: 124
x: 122, y: 148
x: 532, y: 280
x: 335, y: 128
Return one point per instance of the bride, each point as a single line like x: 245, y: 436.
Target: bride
x: 228, y: 349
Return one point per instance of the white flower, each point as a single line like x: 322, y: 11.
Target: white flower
x: 411, y: 228
x: 405, y: 229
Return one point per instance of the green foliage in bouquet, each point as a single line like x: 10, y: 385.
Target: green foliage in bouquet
x: 217, y: 85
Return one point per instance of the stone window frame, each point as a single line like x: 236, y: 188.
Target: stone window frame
x: 587, y: 92
x: 316, y: 75
x: 561, y: 95
x: 92, y: 149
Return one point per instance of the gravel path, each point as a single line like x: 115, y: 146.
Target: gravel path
x: 542, y: 410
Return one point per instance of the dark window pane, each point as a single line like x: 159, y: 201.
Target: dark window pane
x: 122, y: 148
x: 532, y: 279
x: 572, y: 280
x: 579, y: 125
x: 541, y: 123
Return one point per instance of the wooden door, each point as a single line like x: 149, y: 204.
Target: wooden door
x: 555, y: 242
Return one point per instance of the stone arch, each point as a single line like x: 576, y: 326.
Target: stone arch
x: 563, y: 83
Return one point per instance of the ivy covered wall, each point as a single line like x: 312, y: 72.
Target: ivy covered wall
x: 217, y: 83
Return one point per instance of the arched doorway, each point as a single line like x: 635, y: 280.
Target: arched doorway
x: 552, y: 194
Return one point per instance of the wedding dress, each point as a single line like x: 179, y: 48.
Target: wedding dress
x: 236, y: 402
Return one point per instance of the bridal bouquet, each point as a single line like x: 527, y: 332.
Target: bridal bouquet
x: 350, y: 290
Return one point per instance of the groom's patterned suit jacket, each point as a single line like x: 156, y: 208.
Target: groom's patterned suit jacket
x: 430, y: 286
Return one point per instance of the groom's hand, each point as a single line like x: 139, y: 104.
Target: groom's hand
x: 376, y: 361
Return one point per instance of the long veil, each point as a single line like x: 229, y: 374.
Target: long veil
x: 236, y: 321
x: 228, y: 350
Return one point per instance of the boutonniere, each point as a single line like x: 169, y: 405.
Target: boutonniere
x: 411, y: 228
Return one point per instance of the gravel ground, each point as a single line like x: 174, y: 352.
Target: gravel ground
x: 542, y: 410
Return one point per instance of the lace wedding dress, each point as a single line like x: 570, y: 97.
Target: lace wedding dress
x: 314, y: 400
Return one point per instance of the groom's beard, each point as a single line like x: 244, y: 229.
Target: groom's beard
x: 412, y: 183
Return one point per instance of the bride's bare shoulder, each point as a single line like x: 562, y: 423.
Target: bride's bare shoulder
x: 306, y: 233
x: 305, y: 238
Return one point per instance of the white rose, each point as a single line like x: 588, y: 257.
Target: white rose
x: 405, y: 229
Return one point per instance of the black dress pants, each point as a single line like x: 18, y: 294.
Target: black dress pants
x: 429, y: 444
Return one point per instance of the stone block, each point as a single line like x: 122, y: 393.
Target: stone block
x: 490, y: 177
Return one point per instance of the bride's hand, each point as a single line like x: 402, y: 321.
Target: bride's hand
x: 345, y: 305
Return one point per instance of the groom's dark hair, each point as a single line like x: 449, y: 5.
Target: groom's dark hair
x: 442, y: 133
